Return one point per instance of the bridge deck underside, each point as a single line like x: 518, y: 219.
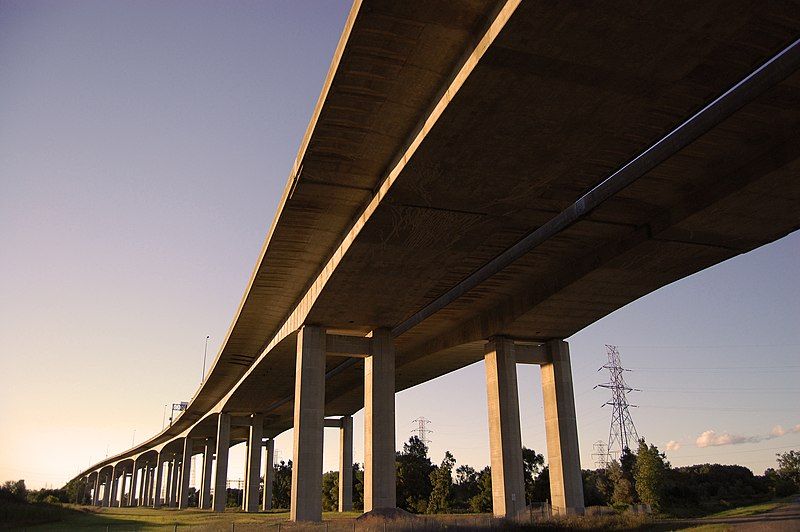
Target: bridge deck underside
x: 539, y: 122
x: 566, y: 94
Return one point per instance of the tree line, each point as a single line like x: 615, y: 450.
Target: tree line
x: 644, y: 476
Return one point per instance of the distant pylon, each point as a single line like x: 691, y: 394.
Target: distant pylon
x: 622, y: 432
x: 422, y: 430
x: 600, y: 454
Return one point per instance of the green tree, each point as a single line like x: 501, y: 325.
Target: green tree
x: 358, y: 487
x: 532, y: 463
x: 282, y: 485
x: 442, y: 481
x: 623, y: 492
x: 481, y: 502
x: 789, y: 466
x: 330, y: 491
x: 413, y: 476
x: 650, y: 473
x: 465, y: 487
x: 14, y: 489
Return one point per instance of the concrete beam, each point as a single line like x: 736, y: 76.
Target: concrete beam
x: 531, y: 353
x: 566, y: 486
x: 379, y: 429
x: 221, y: 466
x: 505, y: 440
x: 346, y: 464
x: 333, y: 422
x: 309, y: 416
x: 186, y: 469
x: 269, y: 473
x: 253, y: 477
x: 351, y: 346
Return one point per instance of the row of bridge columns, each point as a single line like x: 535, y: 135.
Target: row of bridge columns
x: 313, y: 345
x: 142, y: 481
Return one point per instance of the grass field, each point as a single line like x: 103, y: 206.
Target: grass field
x: 744, y: 511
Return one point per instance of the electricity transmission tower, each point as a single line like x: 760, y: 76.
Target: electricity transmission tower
x: 422, y: 430
x: 622, y: 432
x: 600, y: 454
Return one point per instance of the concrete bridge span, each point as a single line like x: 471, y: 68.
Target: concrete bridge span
x: 480, y: 180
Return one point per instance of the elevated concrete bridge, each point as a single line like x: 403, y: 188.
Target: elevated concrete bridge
x: 480, y: 180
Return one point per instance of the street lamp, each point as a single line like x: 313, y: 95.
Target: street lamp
x: 205, y: 352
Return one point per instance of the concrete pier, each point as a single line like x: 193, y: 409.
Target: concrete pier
x: 346, y: 464
x: 253, y: 478
x: 205, y: 485
x: 309, y: 424
x: 221, y: 464
x: 566, y: 485
x: 186, y: 469
x: 505, y: 440
x: 159, y: 480
x: 174, y: 483
x: 269, y: 473
x: 379, y: 430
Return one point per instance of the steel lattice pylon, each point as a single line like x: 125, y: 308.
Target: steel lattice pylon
x: 622, y: 432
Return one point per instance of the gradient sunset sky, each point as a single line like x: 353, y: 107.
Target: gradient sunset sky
x: 143, y: 150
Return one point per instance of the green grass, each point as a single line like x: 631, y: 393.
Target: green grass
x: 744, y: 511
x: 90, y: 518
x: 710, y: 528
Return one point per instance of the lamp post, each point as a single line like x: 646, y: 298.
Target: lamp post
x: 205, y: 352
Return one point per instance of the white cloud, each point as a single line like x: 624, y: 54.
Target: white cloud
x: 710, y: 438
x: 673, y: 445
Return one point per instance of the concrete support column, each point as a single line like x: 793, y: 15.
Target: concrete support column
x: 253, y: 477
x: 132, y: 494
x: 379, y: 429
x: 168, y: 485
x: 146, y: 485
x: 205, y: 487
x: 159, y: 481
x: 173, y: 485
x: 96, y: 490
x: 346, y: 464
x: 221, y: 468
x: 113, y: 485
x: 309, y: 424
x: 152, y: 491
x: 142, y: 484
x: 566, y: 486
x: 107, y: 489
x: 123, y: 479
x: 186, y: 469
x: 505, y: 439
x: 269, y: 473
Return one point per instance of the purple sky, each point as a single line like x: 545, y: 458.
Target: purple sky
x: 143, y: 150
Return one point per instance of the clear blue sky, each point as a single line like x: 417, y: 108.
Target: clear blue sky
x: 143, y: 150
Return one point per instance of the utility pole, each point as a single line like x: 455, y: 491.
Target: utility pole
x: 422, y: 430
x: 622, y: 432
